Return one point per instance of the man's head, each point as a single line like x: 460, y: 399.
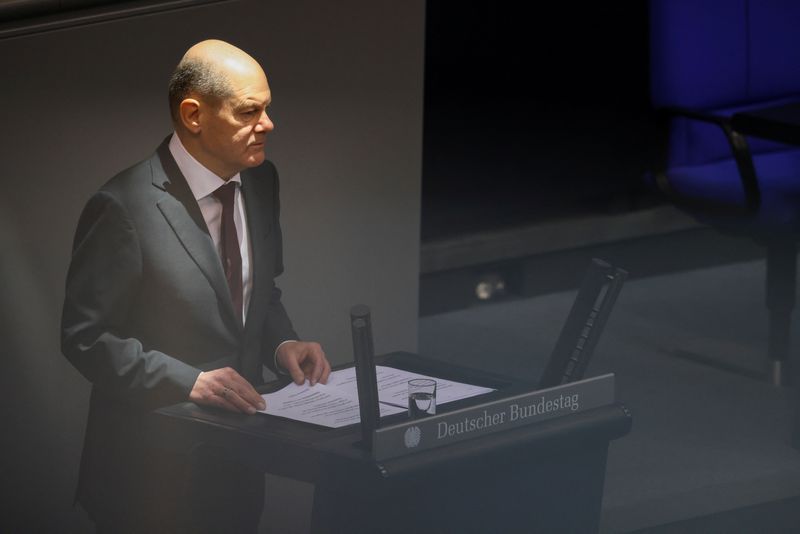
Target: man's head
x: 218, y: 96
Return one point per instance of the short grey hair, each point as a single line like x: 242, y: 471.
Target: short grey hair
x: 196, y: 76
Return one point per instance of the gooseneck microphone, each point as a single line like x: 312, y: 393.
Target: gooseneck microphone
x: 364, y: 355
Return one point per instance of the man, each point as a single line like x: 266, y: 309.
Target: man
x: 170, y: 296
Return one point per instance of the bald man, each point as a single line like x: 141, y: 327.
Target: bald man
x: 170, y: 296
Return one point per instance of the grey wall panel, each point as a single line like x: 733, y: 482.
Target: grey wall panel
x: 80, y: 104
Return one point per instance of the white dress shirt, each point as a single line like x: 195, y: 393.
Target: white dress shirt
x: 203, y: 183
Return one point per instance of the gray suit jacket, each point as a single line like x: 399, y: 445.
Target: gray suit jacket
x: 147, y: 308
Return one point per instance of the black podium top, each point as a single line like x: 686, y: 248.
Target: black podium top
x: 320, y: 455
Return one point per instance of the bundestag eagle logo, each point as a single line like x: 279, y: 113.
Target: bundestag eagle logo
x: 412, y: 436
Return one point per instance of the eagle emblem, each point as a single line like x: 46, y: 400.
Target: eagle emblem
x: 412, y: 437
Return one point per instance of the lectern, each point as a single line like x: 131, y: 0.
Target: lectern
x: 544, y: 477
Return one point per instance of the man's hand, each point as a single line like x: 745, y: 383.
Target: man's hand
x: 304, y: 360
x: 225, y: 388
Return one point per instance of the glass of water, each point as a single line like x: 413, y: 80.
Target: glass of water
x: 421, y: 397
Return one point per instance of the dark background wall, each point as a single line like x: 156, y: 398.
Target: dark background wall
x: 533, y: 113
x: 83, y: 103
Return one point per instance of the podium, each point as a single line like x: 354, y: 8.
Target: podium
x: 544, y: 477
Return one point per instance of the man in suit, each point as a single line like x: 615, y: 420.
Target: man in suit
x: 170, y: 296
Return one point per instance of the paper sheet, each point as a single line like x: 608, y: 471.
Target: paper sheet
x: 319, y: 404
x: 335, y: 404
x: 393, y: 386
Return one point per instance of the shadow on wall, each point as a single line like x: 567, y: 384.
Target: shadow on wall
x: 45, y: 397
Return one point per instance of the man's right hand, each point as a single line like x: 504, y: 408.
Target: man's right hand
x: 225, y: 388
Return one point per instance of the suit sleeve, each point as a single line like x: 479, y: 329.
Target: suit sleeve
x: 102, y: 280
x: 277, y: 326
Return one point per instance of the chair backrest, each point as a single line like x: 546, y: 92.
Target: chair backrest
x: 721, y: 56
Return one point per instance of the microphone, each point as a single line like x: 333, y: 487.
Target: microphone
x: 366, y: 380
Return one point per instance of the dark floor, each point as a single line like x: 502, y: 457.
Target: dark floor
x: 709, y: 450
x: 782, y: 516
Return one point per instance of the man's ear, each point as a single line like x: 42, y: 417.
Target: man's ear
x: 189, y: 112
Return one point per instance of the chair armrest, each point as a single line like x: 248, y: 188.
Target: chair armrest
x: 739, y: 148
x: 676, y: 111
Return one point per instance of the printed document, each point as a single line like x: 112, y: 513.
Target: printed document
x: 335, y: 404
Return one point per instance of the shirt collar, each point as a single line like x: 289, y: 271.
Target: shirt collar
x: 201, y: 181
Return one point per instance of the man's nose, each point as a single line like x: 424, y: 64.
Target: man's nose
x: 265, y: 124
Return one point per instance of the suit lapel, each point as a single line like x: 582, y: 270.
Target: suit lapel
x: 181, y: 211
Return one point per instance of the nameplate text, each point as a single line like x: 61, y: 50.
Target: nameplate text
x: 494, y: 416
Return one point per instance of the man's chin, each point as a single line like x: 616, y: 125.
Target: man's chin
x: 256, y: 159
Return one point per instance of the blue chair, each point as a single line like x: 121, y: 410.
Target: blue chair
x: 709, y: 60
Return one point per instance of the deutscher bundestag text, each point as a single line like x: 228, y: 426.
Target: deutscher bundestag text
x: 514, y: 413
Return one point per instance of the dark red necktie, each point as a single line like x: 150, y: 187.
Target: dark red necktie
x: 229, y: 245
